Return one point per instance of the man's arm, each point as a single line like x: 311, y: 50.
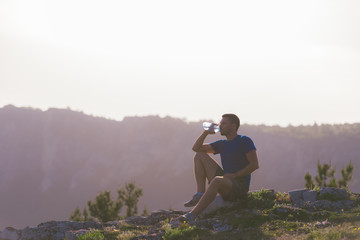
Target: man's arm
x: 252, y: 166
x: 199, y: 145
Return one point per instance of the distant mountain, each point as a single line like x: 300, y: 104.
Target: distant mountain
x: 54, y: 161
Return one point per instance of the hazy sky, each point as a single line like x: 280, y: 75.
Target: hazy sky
x: 272, y: 62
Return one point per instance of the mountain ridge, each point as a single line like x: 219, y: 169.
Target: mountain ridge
x: 53, y: 161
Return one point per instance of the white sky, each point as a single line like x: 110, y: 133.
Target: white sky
x: 272, y: 62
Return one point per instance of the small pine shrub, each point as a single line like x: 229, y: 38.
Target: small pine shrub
x: 326, y: 177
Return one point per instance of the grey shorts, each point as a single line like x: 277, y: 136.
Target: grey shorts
x: 239, y: 187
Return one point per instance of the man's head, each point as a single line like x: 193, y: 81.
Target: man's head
x: 229, y: 123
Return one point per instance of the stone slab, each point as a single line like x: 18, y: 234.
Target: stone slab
x: 216, y: 204
x: 309, y: 196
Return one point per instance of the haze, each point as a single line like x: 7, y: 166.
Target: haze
x: 271, y: 62
x: 56, y: 160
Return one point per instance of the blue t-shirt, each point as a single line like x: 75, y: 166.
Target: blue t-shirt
x: 233, y: 154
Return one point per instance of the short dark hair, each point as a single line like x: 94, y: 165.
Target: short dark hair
x: 233, y: 118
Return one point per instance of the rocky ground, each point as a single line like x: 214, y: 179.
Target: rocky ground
x: 300, y: 214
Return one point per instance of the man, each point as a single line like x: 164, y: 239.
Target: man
x: 238, y: 158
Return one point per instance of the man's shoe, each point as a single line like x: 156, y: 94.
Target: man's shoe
x: 188, y: 218
x: 195, y: 199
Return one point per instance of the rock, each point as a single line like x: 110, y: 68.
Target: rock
x: 220, y: 226
x: 328, y: 198
x: 322, y: 224
x: 347, y: 204
x: 325, y: 205
x: 72, y: 235
x: 154, y: 218
x: 111, y: 224
x: 303, y: 200
x: 9, y: 233
x: 217, y: 204
x: 286, y: 210
x: 137, y: 220
x: 55, y: 230
x: 309, y: 196
x: 281, y: 210
x: 334, y: 193
x: 153, y: 236
x: 296, y: 196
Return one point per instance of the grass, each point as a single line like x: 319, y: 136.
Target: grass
x: 124, y: 232
x: 184, y: 231
x: 267, y: 215
x: 258, y: 225
x: 343, y: 231
x: 261, y: 199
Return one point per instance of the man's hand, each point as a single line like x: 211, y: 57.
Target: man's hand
x: 252, y: 166
x: 199, y: 145
x: 209, y: 132
x: 230, y: 175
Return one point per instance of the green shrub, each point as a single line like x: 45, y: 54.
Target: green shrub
x: 262, y: 199
x: 283, y: 198
x: 93, y: 234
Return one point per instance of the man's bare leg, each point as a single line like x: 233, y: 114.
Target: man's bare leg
x: 205, y: 167
x: 221, y: 185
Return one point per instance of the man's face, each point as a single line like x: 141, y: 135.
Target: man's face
x: 226, y: 126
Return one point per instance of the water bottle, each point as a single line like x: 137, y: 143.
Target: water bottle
x: 208, y: 126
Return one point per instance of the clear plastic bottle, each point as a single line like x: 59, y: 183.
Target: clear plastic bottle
x: 208, y: 126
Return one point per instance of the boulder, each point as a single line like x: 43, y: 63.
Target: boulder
x: 217, y: 204
x: 309, y: 196
x: 296, y: 196
x: 331, y: 205
x: 154, y: 218
x: 334, y: 193
x: 327, y: 198
x: 325, y: 205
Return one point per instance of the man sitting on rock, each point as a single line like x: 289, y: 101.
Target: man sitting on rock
x: 238, y: 158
